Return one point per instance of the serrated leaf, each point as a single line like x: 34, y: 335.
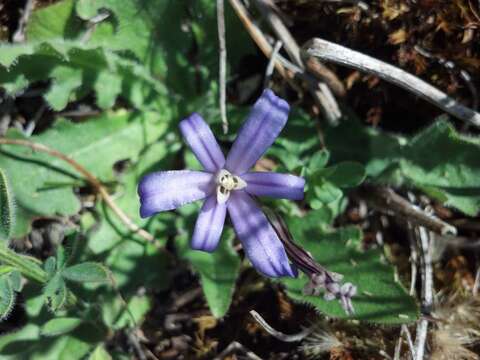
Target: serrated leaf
x: 380, y: 298
x: 73, y: 68
x: 438, y: 160
x: 60, y: 326
x: 55, y: 293
x: 218, y: 271
x: 107, y: 87
x: 86, y: 272
x: 111, y: 137
x: 65, y: 81
x: 7, y: 297
x: 7, y: 208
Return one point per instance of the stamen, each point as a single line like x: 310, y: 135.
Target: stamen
x: 226, y: 182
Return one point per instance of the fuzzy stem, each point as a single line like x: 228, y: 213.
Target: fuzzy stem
x: 29, y: 269
x: 23, y: 264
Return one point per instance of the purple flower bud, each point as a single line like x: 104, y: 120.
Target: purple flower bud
x: 320, y: 279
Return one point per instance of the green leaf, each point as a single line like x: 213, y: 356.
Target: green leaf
x: 65, y: 81
x: 74, y: 68
x: 438, y: 160
x: 347, y: 174
x: 16, y: 280
x: 380, y: 299
x: 111, y: 138
x: 7, y: 208
x: 55, y: 21
x: 297, y: 143
x: 20, y: 341
x: 107, y: 87
x: 100, y: 354
x: 218, y: 270
x: 50, y: 266
x: 86, y: 272
x: 60, y: 326
x: 117, y: 316
x: 318, y: 160
x: 55, y: 293
x: 7, y: 297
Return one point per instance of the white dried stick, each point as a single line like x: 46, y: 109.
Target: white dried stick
x: 329, y: 51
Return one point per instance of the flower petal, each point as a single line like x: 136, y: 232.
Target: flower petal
x: 167, y: 190
x: 266, y: 120
x: 260, y: 242
x: 209, y: 226
x: 283, y: 186
x: 201, y: 140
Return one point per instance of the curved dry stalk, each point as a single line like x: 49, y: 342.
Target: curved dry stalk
x: 91, y: 179
x: 328, y: 51
x: 279, y: 335
x: 319, y: 90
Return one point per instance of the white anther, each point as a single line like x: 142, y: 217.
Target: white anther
x: 226, y: 182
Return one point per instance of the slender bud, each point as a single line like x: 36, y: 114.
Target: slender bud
x: 320, y: 279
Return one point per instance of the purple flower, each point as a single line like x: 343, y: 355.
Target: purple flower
x: 226, y: 184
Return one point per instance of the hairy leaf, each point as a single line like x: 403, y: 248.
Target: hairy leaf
x: 55, y: 293
x: 7, y: 208
x: 7, y: 296
x: 86, y: 272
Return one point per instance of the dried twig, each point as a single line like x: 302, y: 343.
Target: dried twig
x: 186, y: 298
x: 92, y: 24
x: 387, y: 201
x: 19, y: 35
x: 222, y: 64
x: 427, y: 290
x: 317, y: 69
x: 329, y: 51
x: 133, y: 339
x: 361, y: 4
x: 330, y: 108
x: 96, y: 184
x: 279, y: 335
x: 271, y: 62
x: 234, y: 347
x: 476, y: 284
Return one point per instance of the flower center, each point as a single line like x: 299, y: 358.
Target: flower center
x: 226, y: 182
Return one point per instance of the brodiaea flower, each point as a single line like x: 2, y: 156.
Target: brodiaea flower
x: 226, y: 184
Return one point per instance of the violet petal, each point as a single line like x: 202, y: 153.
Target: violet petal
x: 283, y: 186
x: 209, y: 225
x: 201, y: 140
x: 168, y: 190
x: 267, y: 118
x: 260, y: 242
